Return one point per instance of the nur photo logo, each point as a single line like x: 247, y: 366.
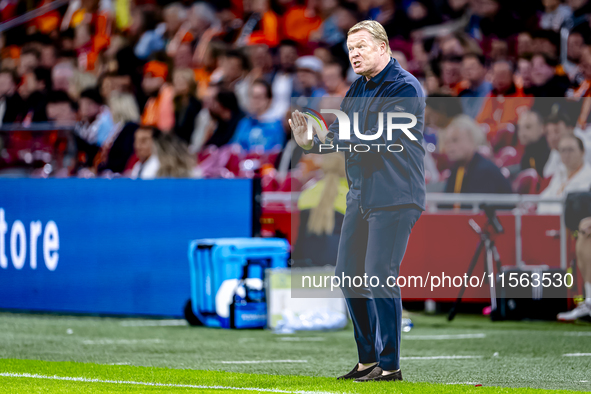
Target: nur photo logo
x: 317, y: 123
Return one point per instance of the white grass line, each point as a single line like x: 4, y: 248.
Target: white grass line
x: 120, y: 341
x: 154, y: 323
x: 443, y: 337
x: 439, y: 357
x: 302, y: 339
x: 578, y: 334
x: 87, y: 380
x: 262, y: 361
x: 577, y: 355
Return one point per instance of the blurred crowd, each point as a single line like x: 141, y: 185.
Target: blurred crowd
x: 153, y: 88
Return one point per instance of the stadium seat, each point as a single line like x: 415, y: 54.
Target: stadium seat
x: 291, y: 184
x: 503, y: 137
x: 526, y: 182
x: 507, y: 156
x: 269, y: 181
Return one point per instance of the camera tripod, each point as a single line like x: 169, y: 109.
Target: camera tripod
x: 491, y: 256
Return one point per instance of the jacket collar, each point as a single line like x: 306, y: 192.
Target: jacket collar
x: 388, y: 74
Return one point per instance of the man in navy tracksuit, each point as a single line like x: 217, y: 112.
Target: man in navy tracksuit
x: 386, y: 193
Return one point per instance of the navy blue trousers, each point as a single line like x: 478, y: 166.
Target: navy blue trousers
x: 373, y: 242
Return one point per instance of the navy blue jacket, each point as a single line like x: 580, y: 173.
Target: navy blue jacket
x: 383, y: 179
x: 481, y: 176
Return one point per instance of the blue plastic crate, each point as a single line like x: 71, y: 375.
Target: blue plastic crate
x: 212, y: 261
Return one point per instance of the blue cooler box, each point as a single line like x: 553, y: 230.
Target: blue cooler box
x: 213, y: 261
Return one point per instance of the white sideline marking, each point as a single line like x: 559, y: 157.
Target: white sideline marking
x: 443, y: 337
x: 262, y: 361
x: 154, y: 323
x: 577, y: 354
x: 302, y: 339
x: 119, y: 341
x: 87, y: 380
x: 438, y: 357
x: 578, y: 334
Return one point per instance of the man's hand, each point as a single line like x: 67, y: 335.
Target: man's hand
x: 299, y: 126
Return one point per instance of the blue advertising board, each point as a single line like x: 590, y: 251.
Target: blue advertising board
x: 111, y: 246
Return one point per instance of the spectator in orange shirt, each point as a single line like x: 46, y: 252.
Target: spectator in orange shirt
x: 262, y: 27
x: 505, y: 102
x: 299, y: 22
x: 159, y: 110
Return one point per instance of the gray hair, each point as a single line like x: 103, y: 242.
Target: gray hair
x: 376, y: 30
x: 466, y: 123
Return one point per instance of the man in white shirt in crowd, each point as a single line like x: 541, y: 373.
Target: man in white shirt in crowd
x: 148, y: 164
x: 574, y: 175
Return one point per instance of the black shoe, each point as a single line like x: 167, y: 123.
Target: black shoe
x: 376, y: 376
x: 354, y: 374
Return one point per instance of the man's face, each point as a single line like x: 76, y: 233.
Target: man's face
x: 143, y: 144
x: 61, y: 112
x: 183, y: 57
x: 287, y: 57
x: 554, y: 132
x: 61, y: 77
x: 172, y: 20
x: 88, y: 109
x: 472, y: 70
x: 332, y: 78
x: 152, y: 85
x: 28, y: 63
x: 570, y: 153
x: 364, y: 54
x: 459, y: 145
x: 48, y: 56
x: 232, y: 68
x: 451, y: 72
x: 529, y: 128
x: 575, y: 46
x: 524, y: 68
x: 7, y: 86
x: 502, y: 77
x: 524, y: 43
x: 307, y: 78
x: 259, y: 102
x: 541, y: 71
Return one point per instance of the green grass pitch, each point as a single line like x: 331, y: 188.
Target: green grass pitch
x: 63, y: 354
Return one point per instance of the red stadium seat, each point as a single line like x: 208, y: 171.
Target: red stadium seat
x: 507, y: 156
x: 503, y: 137
x: 291, y: 184
x: 269, y: 181
x: 526, y: 182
